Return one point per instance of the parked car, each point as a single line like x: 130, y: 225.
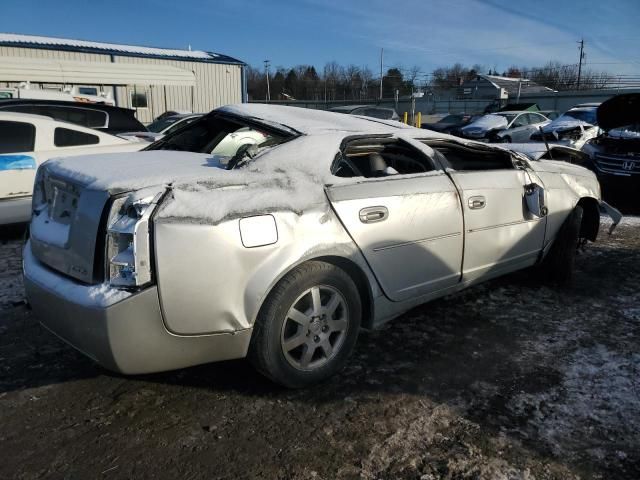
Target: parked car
x: 614, y: 155
x: 573, y: 128
x: 26, y: 141
x: 162, y: 127
x: 383, y: 113
x: 505, y: 127
x: 284, y: 251
x: 449, y: 123
x: 106, y: 118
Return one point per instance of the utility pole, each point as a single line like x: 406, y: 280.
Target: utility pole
x: 581, y: 42
x: 381, y: 70
x: 266, y: 68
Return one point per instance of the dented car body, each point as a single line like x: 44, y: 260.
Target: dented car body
x: 173, y: 257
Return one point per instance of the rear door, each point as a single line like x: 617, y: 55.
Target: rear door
x: 406, y: 221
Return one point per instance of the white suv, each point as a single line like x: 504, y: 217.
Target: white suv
x: 27, y: 140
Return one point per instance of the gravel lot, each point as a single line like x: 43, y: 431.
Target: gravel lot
x: 508, y: 380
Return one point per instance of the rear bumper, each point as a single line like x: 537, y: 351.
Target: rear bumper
x: 15, y: 210
x: 128, y: 336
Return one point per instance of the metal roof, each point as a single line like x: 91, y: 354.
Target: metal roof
x: 93, y: 73
x: 66, y: 44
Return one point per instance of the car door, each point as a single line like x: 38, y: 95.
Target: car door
x: 408, y: 224
x: 519, y: 131
x: 500, y: 233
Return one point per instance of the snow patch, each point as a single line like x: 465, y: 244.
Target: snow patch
x: 599, y: 392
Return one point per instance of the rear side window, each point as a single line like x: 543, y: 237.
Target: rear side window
x: 380, y: 157
x: 65, y: 137
x: 17, y: 137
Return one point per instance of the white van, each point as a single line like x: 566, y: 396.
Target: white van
x: 27, y: 140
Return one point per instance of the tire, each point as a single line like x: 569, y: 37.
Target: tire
x: 506, y: 139
x: 558, y: 265
x: 298, y: 340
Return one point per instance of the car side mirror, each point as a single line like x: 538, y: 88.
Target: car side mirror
x: 534, y: 196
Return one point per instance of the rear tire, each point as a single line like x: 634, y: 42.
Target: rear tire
x: 307, y: 327
x: 558, y: 265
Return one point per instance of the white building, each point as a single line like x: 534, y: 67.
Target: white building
x: 149, y: 80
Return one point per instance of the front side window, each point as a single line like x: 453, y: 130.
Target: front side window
x: 520, y: 121
x: 380, y: 157
x: 17, y: 137
x: 464, y: 158
x: 66, y: 137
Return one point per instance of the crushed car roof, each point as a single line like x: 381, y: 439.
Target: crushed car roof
x: 309, y: 121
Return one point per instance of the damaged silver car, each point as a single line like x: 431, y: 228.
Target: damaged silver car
x: 282, y: 251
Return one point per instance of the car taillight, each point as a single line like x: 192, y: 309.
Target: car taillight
x: 128, y: 253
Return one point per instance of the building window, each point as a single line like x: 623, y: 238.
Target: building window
x: 138, y: 100
x: 88, y: 90
x: 65, y: 137
x: 17, y: 137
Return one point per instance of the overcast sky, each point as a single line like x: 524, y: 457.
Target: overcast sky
x: 428, y: 34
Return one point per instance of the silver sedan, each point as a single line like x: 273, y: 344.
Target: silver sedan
x: 284, y: 250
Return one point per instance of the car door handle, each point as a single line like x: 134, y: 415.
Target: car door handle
x: 373, y: 214
x: 476, y: 203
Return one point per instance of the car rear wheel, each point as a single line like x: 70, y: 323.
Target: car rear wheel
x: 506, y: 139
x: 558, y: 265
x: 308, y: 325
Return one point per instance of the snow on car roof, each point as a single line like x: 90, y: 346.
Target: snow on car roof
x: 308, y: 121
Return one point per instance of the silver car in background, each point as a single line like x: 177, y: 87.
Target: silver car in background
x: 176, y: 256
x: 505, y: 127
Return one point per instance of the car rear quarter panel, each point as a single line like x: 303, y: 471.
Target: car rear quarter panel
x: 209, y: 282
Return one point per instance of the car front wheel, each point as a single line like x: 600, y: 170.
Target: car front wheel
x: 308, y: 325
x: 558, y: 265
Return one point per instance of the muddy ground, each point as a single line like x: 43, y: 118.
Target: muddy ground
x: 508, y: 380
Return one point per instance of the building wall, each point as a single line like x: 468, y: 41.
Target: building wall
x: 216, y: 84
